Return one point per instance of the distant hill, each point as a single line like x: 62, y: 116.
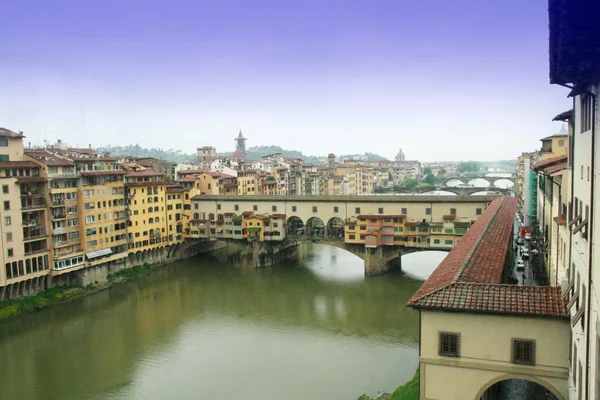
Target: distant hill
x: 137, y: 151
x: 253, y: 153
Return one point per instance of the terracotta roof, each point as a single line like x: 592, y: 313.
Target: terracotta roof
x: 31, y: 179
x: 556, y: 168
x: 498, y: 299
x: 190, y: 178
x: 10, y: 134
x: 144, y: 172
x: 469, y: 278
x: 18, y: 164
x: 549, y: 162
x: 228, y: 214
x: 248, y: 213
x: 192, y: 171
x: 109, y: 172
x: 278, y: 215
x: 564, y: 116
x: 48, y: 158
x: 81, y: 150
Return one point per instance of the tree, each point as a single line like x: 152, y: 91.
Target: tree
x: 426, y: 170
x: 470, y: 166
x: 441, y: 172
x: 409, y: 183
x: 429, y: 179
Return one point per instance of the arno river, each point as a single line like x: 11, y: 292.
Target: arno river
x: 213, y: 327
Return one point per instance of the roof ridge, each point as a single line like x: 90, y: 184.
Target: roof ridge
x: 473, y: 249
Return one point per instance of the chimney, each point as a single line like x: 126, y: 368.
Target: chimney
x: 90, y: 146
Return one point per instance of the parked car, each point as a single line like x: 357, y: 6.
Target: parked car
x: 528, y: 236
x: 525, y: 253
x: 520, y: 265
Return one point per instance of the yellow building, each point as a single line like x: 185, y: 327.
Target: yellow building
x: 147, y: 199
x: 556, y: 145
x: 102, y: 214
x: 246, y: 181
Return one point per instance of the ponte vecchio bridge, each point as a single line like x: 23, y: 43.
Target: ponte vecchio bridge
x: 379, y: 229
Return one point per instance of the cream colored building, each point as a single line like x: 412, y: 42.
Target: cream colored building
x: 477, y: 330
x: 23, y: 221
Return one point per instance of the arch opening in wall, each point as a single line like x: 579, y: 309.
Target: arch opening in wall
x: 518, y: 387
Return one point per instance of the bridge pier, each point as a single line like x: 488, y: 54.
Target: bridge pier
x: 266, y: 254
x: 379, y: 260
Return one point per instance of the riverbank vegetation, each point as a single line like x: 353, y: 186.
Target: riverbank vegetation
x: 57, y: 295
x: 408, y: 391
x: 44, y: 299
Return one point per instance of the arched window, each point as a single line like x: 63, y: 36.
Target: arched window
x: 156, y: 208
x: 156, y: 199
x: 149, y: 209
x: 187, y: 196
x: 220, y: 217
x: 151, y: 221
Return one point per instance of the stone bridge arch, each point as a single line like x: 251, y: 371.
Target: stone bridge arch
x: 468, y: 179
x: 294, y: 226
x: 315, y: 227
x: 531, y: 378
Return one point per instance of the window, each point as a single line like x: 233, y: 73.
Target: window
x: 522, y: 351
x: 453, y: 211
x: 236, y: 207
x: 88, y: 193
x: 587, y: 113
x: 293, y: 208
x: 380, y: 210
x: 255, y: 208
x: 7, y: 221
x: 72, y: 222
x: 478, y: 211
x: 3, y: 142
x: 428, y: 211
x: 436, y: 241
x: 7, y: 205
x: 10, y: 252
x: 5, y: 189
x: 336, y: 209
x: 314, y: 208
x: 449, y: 344
x: 196, y: 206
x: 73, y: 235
x: 448, y: 242
x: 561, y: 143
x: 3, y: 157
x: 449, y: 230
x: 90, y: 219
x: 9, y: 236
x: 274, y: 208
x: 357, y: 210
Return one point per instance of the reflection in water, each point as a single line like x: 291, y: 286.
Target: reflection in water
x: 215, y: 328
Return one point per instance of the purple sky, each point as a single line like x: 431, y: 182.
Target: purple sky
x: 443, y: 80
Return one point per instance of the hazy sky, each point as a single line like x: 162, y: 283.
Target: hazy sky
x: 443, y: 80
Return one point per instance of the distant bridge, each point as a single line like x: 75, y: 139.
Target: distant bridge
x: 471, y: 180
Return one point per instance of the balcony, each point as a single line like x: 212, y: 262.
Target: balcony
x: 59, y: 231
x: 30, y: 222
x: 56, y: 217
x: 58, y: 203
x: 61, y: 243
x: 32, y: 205
x: 31, y: 193
x: 36, y: 251
x: 64, y: 175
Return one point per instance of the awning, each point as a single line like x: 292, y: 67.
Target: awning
x: 98, y: 253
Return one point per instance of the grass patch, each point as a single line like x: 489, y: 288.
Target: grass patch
x: 11, y: 308
x: 408, y: 391
x: 131, y: 273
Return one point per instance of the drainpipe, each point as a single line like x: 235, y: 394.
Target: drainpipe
x: 590, y: 233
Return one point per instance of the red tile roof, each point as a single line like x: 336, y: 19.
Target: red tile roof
x: 469, y: 278
x: 109, y: 172
x: 48, y: 158
x: 549, y: 162
x: 18, y: 164
x: 556, y: 168
x: 192, y: 171
x: 560, y: 220
x: 144, y: 172
x: 189, y: 178
x: 10, y: 134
